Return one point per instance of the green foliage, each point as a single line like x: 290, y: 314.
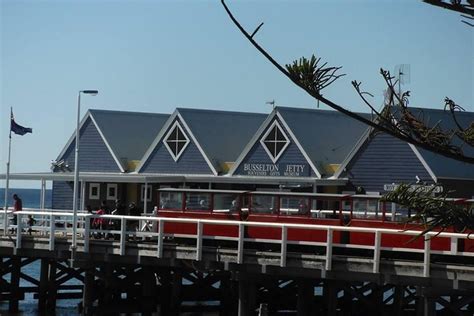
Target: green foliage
x: 432, y: 212
x: 312, y: 76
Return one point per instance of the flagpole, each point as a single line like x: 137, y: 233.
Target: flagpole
x: 7, y: 180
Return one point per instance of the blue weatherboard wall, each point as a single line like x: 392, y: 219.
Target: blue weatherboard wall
x: 62, y: 195
x: 190, y: 162
x: 291, y: 156
x: 93, y: 153
x: 385, y: 160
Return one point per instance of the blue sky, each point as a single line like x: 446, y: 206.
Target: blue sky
x: 153, y: 56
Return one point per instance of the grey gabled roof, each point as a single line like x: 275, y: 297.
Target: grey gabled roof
x: 222, y: 134
x: 128, y: 133
x: 441, y: 166
x: 326, y: 136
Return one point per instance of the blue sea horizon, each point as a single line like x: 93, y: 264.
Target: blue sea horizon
x: 29, y: 197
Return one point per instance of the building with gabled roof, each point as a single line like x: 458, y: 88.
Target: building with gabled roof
x: 380, y: 161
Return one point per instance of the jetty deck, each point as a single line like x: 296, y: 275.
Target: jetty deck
x: 178, y: 273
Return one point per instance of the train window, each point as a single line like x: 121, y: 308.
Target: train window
x: 198, y: 202
x: 294, y: 206
x: 264, y: 204
x: 227, y: 203
x: 171, y: 200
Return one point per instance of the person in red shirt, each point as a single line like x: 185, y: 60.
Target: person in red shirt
x: 17, y: 206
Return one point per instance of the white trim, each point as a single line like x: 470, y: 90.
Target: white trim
x: 423, y: 162
x: 156, y: 141
x: 93, y: 196
x: 303, y: 152
x: 252, y: 142
x: 73, y: 136
x: 117, y: 161
x: 164, y: 141
x: 148, y: 190
x: 353, y: 152
x: 112, y: 197
x: 214, y: 171
x: 262, y: 141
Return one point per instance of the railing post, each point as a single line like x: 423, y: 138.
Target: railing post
x: 18, y: 230
x: 377, y: 241
x: 240, y: 245
x: 454, y: 245
x: 427, y: 257
x: 199, y: 241
x: 123, y: 235
x: 52, y: 226
x: 87, y: 226
x: 160, y: 239
x: 284, y: 237
x: 329, y: 249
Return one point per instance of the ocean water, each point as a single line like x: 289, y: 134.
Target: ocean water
x: 29, y: 197
x: 29, y: 306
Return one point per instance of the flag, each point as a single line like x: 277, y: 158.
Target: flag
x: 18, y: 129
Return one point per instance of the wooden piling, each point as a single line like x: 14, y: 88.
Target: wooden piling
x: 88, y: 292
x: 247, y: 295
x: 15, y: 284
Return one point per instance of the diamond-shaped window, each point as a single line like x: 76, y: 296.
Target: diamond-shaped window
x: 275, y: 141
x: 176, y: 141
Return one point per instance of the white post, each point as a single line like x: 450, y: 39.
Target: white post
x: 199, y: 241
x: 377, y: 242
x: 83, y: 195
x: 7, y: 179
x: 284, y: 237
x: 18, y: 230
x: 52, y: 226
x: 87, y: 227
x: 76, y: 180
x: 427, y: 257
x: 160, y: 238
x: 329, y: 249
x: 240, y: 245
x: 123, y: 235
x: 145, y: 199
x: 43, y: 194
x: 394, y: 211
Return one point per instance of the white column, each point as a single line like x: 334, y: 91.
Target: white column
x: 145, y: 197
x: 83, y: 195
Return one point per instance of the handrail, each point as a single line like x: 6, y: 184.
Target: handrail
x: 51, y: 218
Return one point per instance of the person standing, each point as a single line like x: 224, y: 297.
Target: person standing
x: 17, y: 206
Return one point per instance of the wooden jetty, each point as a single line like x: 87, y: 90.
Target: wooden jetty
x: 154, y: 273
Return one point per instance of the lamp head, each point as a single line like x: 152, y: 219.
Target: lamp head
x: 91, y: 92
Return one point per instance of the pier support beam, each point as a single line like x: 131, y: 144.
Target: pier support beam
x: 88, y: 292
x: 15, y: 284
x: 247, y: 295
x: 304, y: 304
x: 43, y: 287
x: 52, y: 290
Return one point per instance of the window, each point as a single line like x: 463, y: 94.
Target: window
x: 148, y: 193
x: 275, y: 141
x: 94, y: 191
x: 176, y: 141
x: 112, y: 191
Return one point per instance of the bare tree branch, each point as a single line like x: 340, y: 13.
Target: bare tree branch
x: 465, y: 7
x: 301, y: 73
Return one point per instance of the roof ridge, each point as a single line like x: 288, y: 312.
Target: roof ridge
x: 221, y: 111
x: 126, y: 112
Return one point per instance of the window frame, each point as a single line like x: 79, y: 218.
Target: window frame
x: 91, y: 187
x: 149, y: 188
x: 170, y: 132
x: 277, y: 125
x: 110, y: 197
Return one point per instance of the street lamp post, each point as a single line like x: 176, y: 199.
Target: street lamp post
x: 76, y: 173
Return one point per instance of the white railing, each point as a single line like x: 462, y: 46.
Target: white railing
x: 48, y: 227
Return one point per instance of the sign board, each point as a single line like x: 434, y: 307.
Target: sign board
x: 392, y: 187
x: 276, y: 170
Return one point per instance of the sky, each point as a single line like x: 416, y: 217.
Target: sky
x: 154, y: 56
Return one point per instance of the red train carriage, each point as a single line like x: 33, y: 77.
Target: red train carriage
x: 293, y: 208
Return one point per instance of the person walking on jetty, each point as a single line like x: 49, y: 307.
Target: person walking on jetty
x: 17, y: 206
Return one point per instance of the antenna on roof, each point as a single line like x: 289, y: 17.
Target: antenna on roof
x: 403, y: 76
x: 272, y: 103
